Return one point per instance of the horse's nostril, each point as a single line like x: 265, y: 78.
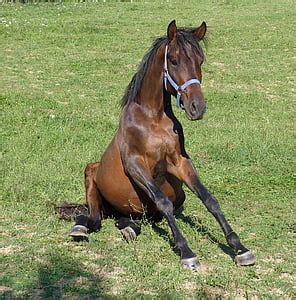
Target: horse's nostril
x: 194, y: 107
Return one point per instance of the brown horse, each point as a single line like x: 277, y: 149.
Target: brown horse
x: 144, y: 167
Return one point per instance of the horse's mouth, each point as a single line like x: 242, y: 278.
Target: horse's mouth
x: 194, y: 117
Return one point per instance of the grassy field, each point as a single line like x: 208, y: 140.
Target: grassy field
x: 64, y: 68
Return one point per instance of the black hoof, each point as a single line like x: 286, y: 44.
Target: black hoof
x: 79, y: 233
x: 128, y: 233
x: 190, y: 263
x: 245, y: 259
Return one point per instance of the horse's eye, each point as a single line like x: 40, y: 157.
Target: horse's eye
x: 174, y: 62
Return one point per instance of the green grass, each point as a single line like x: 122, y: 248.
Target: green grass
x: 64, y: 68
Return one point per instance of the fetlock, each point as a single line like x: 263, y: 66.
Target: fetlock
x: 234, y: 242
x: 130, y: 229
x: 125, y: 222
x: 81, y: 220
x: 94, y: 225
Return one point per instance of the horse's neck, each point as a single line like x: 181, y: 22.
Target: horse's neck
x: 151, y: 92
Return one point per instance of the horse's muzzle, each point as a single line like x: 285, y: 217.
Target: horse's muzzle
x: 196, y: 110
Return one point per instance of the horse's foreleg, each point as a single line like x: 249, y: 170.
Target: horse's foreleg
x: 188, y: 174
x: 86, y: 224
x: 138, y: 173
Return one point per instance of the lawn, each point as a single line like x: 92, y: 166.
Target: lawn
x: 64, y: 68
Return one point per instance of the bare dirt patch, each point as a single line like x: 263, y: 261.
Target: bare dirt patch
x: 288, y: 277
x: 10, y: 249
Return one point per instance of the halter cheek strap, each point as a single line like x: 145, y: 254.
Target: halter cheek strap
x: 179, y: 88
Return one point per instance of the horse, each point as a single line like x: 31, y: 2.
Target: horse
x: 143, y: 169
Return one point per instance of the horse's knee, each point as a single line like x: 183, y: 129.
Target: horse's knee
x: 165, y: 206
x: 212, y: 205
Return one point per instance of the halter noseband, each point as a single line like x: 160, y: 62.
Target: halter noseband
x: 179, y: 88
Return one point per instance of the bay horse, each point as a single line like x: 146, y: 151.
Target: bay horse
x: 144, y: 167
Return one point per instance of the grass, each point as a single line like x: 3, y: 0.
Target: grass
x: 64, y: 68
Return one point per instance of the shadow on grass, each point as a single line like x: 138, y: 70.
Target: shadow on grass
x: 63, y: 276
x: 201, y: 229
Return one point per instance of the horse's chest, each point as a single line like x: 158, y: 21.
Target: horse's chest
x: 162, y: 145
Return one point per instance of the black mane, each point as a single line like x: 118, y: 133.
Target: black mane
x: 184, y: 36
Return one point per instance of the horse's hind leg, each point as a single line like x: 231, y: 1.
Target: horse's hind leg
x: 86, y: 224
x: 129, y: 228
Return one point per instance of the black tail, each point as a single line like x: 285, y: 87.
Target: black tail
x: 69, y: 211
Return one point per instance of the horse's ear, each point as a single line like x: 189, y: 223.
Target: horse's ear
x: 201, y: 31
x: 172, y: 30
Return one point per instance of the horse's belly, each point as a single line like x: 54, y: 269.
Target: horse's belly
x: 112, y: 182
x: 126, y: 198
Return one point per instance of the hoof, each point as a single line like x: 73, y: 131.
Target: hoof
x: 79, y: 233
x: 190, y: 263
x: 128, y: 234
x: 245, y: 259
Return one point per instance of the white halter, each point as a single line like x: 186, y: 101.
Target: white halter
x: 179, y: 88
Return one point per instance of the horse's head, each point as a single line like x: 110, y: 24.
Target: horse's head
x: 183, y: 60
